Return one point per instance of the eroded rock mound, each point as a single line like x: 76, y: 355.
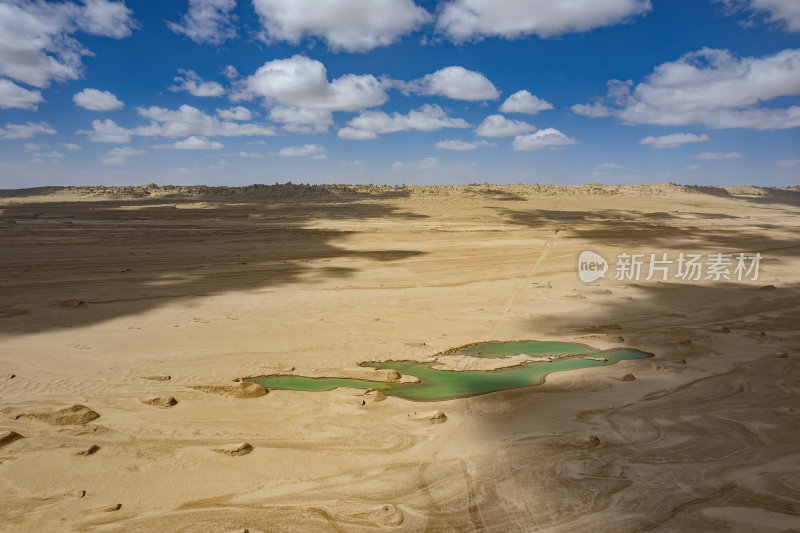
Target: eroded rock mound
x: 164, y: 402
x: 243, y: 389
x: 158, y: 377
x: 7, y: 437
x: 432, y: 417
x: 74, y: 415
x: 235, y: 449
x: 604, y: 337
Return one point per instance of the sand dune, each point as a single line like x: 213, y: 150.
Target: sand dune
x: 115, y: 295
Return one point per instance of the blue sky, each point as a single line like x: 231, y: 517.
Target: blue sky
x: 392, y: 91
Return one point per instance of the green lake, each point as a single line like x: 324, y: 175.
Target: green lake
x: 448, y: 384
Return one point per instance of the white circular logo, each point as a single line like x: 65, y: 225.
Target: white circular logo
x: 591, y: 267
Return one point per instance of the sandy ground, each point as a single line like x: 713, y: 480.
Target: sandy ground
x: 103, y: 289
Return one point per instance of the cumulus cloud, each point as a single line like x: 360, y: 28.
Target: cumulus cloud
x: 462, y: 20
x: 230, y: 72
x: 26, y: 131
x: 96, y: 100
x: 459, y: 146
x: 187, y: 121
x: 354, y: 134
x: 607, y: 166
x: 788, y: 163
x: 674, y: 140
x: 302, y: 120
x: 429, y: 117
x: 715, y: 88
x: 315, y: 150
x: 12, y: 95
x: 351, y: 25
x: 207, y: 21
x: 118, y: 156
x: 524, y: 102
x: 546, y: 138
x: 237, y: 113
x: 785, y: 13
x: 195, y: 142
x: 453, y: 82
x: 429, y: 163
x: 500, y: 126
x: 303, y: 82
x: 36, y: 46
x: 190, y: 82
x: 107, y: 131
x: 594, y: 110
x: 50, y: 155
x: 710, y: 156
x: 71, y: 146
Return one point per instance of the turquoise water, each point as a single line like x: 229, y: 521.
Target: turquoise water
x: 448, y: 384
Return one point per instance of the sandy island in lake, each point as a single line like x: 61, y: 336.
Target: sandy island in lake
x: 130, y: 315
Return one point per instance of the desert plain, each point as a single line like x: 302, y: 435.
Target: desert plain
x: 122, y: 299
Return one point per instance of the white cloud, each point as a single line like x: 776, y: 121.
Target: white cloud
x: 352, y: 25
x: 500, y: 126
x: 617, y: 93
x: 95, y: 100
x: 607, y: 166
x: 230, y: 72
x: 237, y: 113
x: 788, y: 163
x: 453, y: 82
x: 301, y: 119
x: 195, y: 85
x: 103, y: 17
x: 462, y: 20
x: 429, y: 163
x: 26, y: 131
x: 355, y: 163
x: 195, y: 142
x: 459, y: 146
x: 354, y: 134
x: 711, y: 87
x: 785, y: 13
x: 710, y: 156
x: 547, y: 138
x: 71, y: 146
x: 118, y: 156
x: 594, y: 110
x: 674, y: 140
x: 33, y: 147
x: 308, y: 149
x: 51, y: 155
x: 107, y: 131
x: 245, y: 154
x: 303, y: 82
x: 12, y: 95
x: 426, y: 118
x: 187, y: 121
x: 207, y: 21
x: 35, y: 43
x: 524, y: 102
